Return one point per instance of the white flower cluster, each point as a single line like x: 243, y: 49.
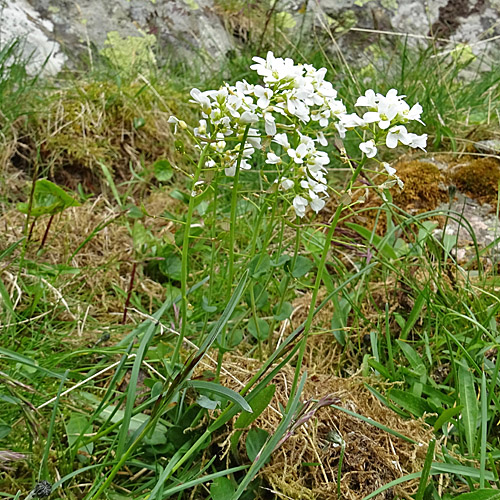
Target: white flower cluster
x: 294, y: 106
x: 390, y: 113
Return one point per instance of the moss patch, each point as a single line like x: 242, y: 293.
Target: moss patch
x: 425, y: 186
x: 478, y: 178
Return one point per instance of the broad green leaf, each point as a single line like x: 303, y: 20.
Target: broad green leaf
x: 446, y: 416
x: 259, y: 265
x: 138, y: 122
x: 48, y: 198
x: 158, y: 435
x: 414, y: 404
x: 380, y: 368
x: 163, y: 170
x: 207, y: 403
x: 4, y: 429
x: 285, y: 313
x: 302, y: 266
x: 75, y: 426
x: 222, y: 391
x: 222, y: 489
x: 256, y: 439
x: 468, y: 400
x: 258, y: 404
x: 280, y: 260
x: 411, y: 355
x: 171, y: 266
x: 314, y: 240
x: 206, y: 306
x: 258, y: 329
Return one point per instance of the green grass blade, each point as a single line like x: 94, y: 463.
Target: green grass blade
x: 426, y: 470
x: 468, y: 400
x: 221, y: 391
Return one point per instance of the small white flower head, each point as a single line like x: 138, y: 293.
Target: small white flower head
x: 202, y: 98
x: 369, y: 99
x: 317, y: 203
x: 273, y: 159
x: 270, y: 124
x: 286, y: 184
x: 414, y: 113
x: 352, y: 120
x: 391, y: 172
x: 264, y: 95
x: 298, y: 155
x: 253, y: 138
x: 369, y: 148
x: 201, y: 129
x: 282, y: 140
x: 321, y: 139
x: 231, y: 170
x: 300, y: 205
x: 173, y: 119
x: 395, y: 134
x: 417, y: 141
x: 248, y: 117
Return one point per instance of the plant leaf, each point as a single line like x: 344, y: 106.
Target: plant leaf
x: 258, y: 404
x: 222, y: 391
x: 468, y: 400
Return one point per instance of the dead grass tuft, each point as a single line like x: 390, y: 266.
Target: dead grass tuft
x: 306, y: 465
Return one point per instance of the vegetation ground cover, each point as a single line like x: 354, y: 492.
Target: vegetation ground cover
x: 388, y: 389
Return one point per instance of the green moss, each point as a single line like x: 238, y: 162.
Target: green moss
x: 423, y: 189
x: 131, y: 54
x: 478, y: 178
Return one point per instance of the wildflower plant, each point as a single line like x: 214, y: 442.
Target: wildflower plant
x: 286, y: 124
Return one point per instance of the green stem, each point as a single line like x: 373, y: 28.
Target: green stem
x: 286, y: 281
x: 185, y: 257
x: 321, y: 269
x: 232, y: 224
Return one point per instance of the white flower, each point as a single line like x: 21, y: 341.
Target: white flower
x: 269, y: 124
x: 395, y: 134
x: 317, y: 203
x: 414, y: 113
x: 230, y: 171
x: 320, y: 137
x: 253, y: 138
x: 282, y: 140
x: 300, y: 205
x: 263, y: 95
x: 369, y: 99
x: 298, y: 155
x: 369, y: 148
x: 273, y: 159
x: 202, y: 98
x: 417, y: 141
x: 248, y: 117
x: 286, y: 184
x: 173, y: 119
x: 201, y: 129
x: 391, y: 171
x: 352, y: 120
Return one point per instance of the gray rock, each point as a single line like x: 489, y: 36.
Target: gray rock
x: 186, y: 31
x: 190, y: 31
